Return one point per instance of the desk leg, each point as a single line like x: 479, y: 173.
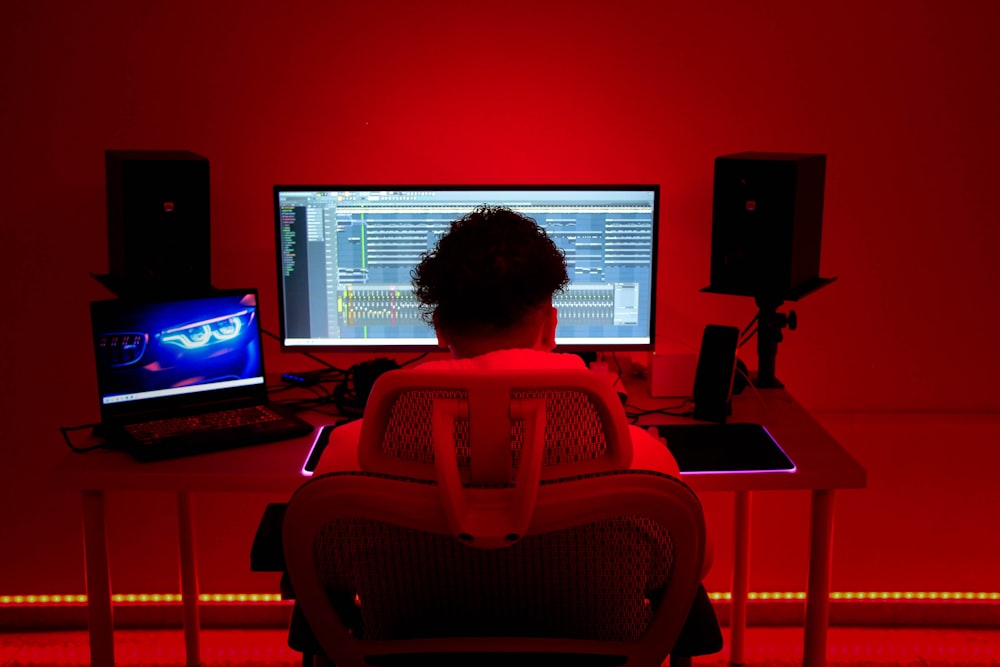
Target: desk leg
x: 741, y: 577
x: 100, y: 616
x: 189, y: 580
x: 818, y: 592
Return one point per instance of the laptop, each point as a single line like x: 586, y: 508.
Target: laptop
x: 183, y: 376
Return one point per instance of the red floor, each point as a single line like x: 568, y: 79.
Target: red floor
x: 772, y: 647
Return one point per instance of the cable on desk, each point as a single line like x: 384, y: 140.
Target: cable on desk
x: 414, y: 359
x: 637, y: 413
x: 614, y: 356
x: 65, y: 430
x: 315, y: 388
x: 323, y: 400
x: 746, y: 376
x: 746, y: 335
x: 304, y: 403
x: 324, y: 406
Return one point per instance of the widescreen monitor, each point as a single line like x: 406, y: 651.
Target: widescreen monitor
x: 345, y: 256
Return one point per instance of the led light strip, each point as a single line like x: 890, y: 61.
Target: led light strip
x: 153, y: 598
x: 875, y: 596
x: 271, y: 598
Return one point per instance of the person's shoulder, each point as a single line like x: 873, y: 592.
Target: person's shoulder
x: 443, y: 365
x: 513, y: 359
x: 529, y: 359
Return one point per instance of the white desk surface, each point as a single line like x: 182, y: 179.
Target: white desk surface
x: 821, y: 463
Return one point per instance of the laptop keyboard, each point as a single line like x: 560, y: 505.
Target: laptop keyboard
x: 213, y: 421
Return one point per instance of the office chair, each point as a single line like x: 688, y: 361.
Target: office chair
x: 495, y: 522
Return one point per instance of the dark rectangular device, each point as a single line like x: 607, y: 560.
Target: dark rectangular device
x: 713, y: 379
x: 767, y: 217
x: 158, y: 222
x: 722, y: 448
x: 345, y: 256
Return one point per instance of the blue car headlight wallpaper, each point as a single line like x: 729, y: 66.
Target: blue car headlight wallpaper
x: 209, y: 332
x: 121, y: 349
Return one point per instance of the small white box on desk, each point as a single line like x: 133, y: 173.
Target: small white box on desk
x: 672, y: 373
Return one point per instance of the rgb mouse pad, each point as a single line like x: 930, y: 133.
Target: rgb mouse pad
x: 705, y: 448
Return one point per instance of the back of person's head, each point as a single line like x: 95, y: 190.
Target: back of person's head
x: 489, y: 276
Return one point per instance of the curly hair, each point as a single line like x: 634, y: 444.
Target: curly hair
x: 491, y: 268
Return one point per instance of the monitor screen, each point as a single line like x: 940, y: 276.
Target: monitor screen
x: 345, y: 254
x: 168, y: 354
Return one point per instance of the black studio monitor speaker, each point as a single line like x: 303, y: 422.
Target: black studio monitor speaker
x: 767, y: 217
x: 713, y: 379
x: 158, y: 222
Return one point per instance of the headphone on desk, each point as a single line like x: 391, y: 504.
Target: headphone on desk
x: 351, y: 395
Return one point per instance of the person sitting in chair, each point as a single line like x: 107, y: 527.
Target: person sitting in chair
x: 487, y: 289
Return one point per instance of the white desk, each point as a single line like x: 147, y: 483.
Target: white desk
x: 822, y: 466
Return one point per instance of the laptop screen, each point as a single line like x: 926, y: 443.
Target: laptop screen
x: 167, y: 355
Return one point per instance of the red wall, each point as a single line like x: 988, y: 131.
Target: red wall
x: 900, y: 95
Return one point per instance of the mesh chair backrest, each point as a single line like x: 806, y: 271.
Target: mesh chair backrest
x: 573, y: 430
x: 597, y: 581
x: 585, y: 430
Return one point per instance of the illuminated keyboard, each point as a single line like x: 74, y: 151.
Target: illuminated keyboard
x: 212, y: 421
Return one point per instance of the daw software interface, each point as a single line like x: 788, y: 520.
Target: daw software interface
x: 345, y: 255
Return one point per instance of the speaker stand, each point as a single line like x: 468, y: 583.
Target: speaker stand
x: 769, y: 325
